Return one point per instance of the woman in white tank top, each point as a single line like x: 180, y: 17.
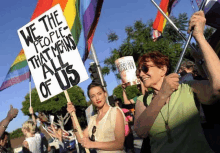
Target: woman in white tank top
x: 32, y: 142
x: 105, y: 132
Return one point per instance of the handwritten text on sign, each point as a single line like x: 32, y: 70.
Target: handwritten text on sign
x: 51, y: 54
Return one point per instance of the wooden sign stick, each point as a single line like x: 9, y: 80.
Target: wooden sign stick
x: 75, y: 119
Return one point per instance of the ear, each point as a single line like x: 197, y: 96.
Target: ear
x: 106, y: 95
x: 163, y: 70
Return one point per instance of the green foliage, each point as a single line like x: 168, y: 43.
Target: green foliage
x: 54, y: 104
x: 57, y: 104
x: 139, y: 41
x: 16, y: 134
x: 170, y: 33
x: 112, y: 37
x: 131, y: 91
x: 208, y: 32
x: 105, y: 70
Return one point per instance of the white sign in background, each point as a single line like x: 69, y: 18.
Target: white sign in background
x: 51, y: 53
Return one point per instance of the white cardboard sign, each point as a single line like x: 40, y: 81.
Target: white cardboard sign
x: 51, y: 53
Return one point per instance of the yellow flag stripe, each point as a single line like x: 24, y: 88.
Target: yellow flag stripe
x: 70, y: 12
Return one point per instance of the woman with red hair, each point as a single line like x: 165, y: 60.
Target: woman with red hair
x: 171, y: 118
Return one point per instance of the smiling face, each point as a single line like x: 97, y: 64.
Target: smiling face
x: 97, y: 96
x: 153, y: 78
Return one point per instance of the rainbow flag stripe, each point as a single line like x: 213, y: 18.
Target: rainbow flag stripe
x: 160, y: 21
x: 82, y: 17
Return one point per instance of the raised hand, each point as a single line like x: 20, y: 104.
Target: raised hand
x: 197, y: 21
x: 31, y: 111
x: 12, y: 113
x: 86, y: 143
x: 170, y: 84
x: 70, y: 108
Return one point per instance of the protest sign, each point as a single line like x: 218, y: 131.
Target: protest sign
x: 127, y: 70
x: 51, y: 53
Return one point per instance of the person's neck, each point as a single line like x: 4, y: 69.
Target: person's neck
x: 189, y: 71
x: 104, y: 109
x: 157, y: 87
x: 28, y: 135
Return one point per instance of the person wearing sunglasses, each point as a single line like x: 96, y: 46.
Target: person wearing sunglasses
x: 105, y: 131
x: 171, y: 118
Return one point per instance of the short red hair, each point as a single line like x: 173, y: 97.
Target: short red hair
x: 157, y: 58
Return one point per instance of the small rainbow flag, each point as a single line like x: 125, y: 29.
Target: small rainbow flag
x: 82, y: 17
x: 160, y: 21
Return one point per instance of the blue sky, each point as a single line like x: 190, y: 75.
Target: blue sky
x: 115, y: 16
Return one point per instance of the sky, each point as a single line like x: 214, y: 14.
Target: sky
x: 115, y: 16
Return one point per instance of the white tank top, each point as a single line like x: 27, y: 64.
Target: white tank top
x: 34, y: 143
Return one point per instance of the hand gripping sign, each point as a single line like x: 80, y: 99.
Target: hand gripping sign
x: 52, y: 56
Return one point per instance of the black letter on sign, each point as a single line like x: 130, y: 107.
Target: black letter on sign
x: 44, y: 70
x: 69, y: 70
x: 29, y: 38
x: 45, y: 86
x: 72, y: 41
x: 61, y: 62
x: 43, y: 19
x: 60, y: 81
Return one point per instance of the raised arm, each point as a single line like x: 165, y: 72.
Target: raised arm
x: 31, y: 111
x: 57, y: 133
x: 125, y: 98
x: 211, y: 61
x: 12, y: 113
x: 145, y: 116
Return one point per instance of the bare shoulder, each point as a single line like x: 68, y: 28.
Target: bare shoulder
x: 119, y: 112
x: 120, y: 118
x: 25, y: 144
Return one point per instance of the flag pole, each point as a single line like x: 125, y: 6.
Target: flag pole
x: 188, y: 41
x: 174, y: 26
x: 99, y: 69
x: 180, y: 33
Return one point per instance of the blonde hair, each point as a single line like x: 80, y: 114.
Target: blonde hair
x: 29, y: 126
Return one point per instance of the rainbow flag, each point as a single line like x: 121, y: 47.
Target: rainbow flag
x: 160, y: 21
x: 82, y: 17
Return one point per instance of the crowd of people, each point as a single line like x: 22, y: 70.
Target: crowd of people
x: 167, y: 117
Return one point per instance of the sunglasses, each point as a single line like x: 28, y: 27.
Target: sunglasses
x: 92, y: 138
x: 143, y: 68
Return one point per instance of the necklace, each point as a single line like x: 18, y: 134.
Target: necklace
x: 170, y: 140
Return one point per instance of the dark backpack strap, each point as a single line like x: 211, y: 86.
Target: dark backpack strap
x: 145, y: 99
x: 146, y: 141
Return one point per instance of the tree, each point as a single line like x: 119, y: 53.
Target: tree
x: 57, y: 105
x: 16, y: 133
x: 112, y: 37
x: 131, y: 92
x: 139, y: 41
